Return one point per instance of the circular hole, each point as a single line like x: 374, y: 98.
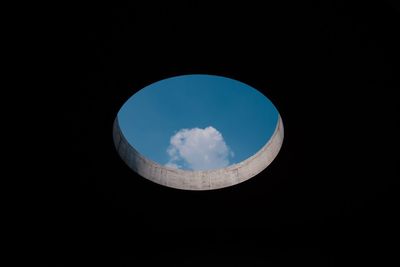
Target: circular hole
x: 198, y: 132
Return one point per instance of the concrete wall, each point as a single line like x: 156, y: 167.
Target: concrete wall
x: 199, y: 180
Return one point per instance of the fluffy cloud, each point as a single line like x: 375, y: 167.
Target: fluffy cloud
x: 198, y: 149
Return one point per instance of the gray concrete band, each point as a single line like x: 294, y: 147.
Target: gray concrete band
x: 199, y: 180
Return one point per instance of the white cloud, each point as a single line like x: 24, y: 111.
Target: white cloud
x: 198, y: 149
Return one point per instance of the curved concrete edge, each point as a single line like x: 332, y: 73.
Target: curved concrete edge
x: 199, y: 180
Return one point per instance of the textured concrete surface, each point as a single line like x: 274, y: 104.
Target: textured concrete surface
x: 199, y: 180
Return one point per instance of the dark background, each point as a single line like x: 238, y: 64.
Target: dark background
x: 328, y: 199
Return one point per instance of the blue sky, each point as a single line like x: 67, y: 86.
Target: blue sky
x: 198, y: 121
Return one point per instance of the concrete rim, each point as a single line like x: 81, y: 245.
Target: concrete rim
x: 199, y: 180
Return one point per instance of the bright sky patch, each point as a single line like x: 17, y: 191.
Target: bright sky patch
x: 198, y: 122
